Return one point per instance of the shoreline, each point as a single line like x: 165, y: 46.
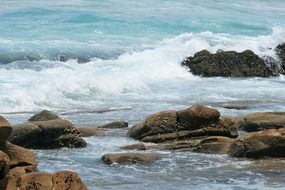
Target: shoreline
x: 116, y: 134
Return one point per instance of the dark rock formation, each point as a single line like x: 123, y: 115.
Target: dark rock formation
x: 130, y: 158
x: 280, y: 51
x: 229, y: 64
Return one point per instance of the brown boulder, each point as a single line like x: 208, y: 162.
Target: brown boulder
x: 18, y: 171
x: 262, y: 120
x: 44, y: 115
x: 4, y: 164
x: 49, y: 134
x: 21, y: 157
x: 198, y: 117
x: 36, y: 180
x: 9, y: 183
x: 63, y: 180
x: 66, y: 180
x: 214, y: 145
x: 157, y: 123
x: 268, y: 143
x: 115, y: 125
x: 5, y: 129
x: 184, y: 124
x: 130, y: 158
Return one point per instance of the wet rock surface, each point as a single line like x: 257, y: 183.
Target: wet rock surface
x: 280, y: 51
x: 197, y: 121
x: 267, y: 143
x: 47, y: 134
x: 115, y: 125
x: 89, y: 132
x: 18, y: 168
x: 130, y: 158
x: 230, y: 64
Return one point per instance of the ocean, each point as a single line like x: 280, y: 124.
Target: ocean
x: 95, y: 61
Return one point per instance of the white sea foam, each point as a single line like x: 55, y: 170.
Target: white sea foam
x: 63, y: 85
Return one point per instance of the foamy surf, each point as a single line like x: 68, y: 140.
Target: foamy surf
x: 35, y: 85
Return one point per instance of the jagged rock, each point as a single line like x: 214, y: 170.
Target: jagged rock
x: 44, y: 115
x: 115, y: 125
x: 47, y: 134
x: 268, y: 143
x: 229, y: 64
x: 130, y: 158
x: 280, y: 51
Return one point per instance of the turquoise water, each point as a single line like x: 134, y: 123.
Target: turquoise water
x: 131, y: 53
x: 110, y: 28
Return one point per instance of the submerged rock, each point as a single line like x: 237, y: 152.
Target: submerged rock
x: 130, y: 158
x: 138, y: 146
x: 229, y: 64
x: 115, y: 125
x: 49, y: 134
x: 268, y: 143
